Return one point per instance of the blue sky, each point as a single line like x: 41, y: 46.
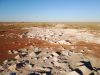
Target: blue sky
x: 50, y: 10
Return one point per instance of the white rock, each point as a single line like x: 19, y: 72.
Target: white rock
x: 84, y: 70
x: 40, y: 69
x: 15, y: 52
x: 1, y: 68
x: 45, y: 58
x: 17, y: 57
x: 12, y: 68
x: 63, y: 42
x: 44, y: 74
x: 55, y: 59
x: 55, y: 54
x: 66, y: 53
x: 95, y: 61
x: 5, y: 62
x: 28, y: 67
x: 10, y: 52
x: 32, y: 54
x: 73, y: 73
x: 56, y: 64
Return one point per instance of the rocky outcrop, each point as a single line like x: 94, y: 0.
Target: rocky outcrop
x: 37, y: 61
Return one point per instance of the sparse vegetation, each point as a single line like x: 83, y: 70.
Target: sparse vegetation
x: 15, y: 25
x: 19, y: 25
x: 90, y: 27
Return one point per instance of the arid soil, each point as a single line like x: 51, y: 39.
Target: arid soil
x: 49, y: 51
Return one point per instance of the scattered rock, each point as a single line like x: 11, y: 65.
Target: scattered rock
x: 48, y: 61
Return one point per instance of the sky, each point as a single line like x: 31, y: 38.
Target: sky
x: 50, y: 10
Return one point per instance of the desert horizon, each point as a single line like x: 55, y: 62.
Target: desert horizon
x: 49, y: 37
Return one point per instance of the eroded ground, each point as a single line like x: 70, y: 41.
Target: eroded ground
x: 80, y: 44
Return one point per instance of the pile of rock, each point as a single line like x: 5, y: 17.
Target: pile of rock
x: 47, y: 61
x: 54, y: 35
x: 36, y: 61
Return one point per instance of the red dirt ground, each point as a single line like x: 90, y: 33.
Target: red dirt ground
x: 10, y: 40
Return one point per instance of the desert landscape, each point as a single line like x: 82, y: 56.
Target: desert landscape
x: 49, y: 48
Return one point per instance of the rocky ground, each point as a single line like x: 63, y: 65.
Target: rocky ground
x: 55, y: 51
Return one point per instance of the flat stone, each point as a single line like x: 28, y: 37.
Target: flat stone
x: 17, y: 57
x: 73, y: 59
x: 37, y: 49
x: 94, y: 61
x: 12, y: 68
x: 15, y: 52
x: 40, y: 69
x: 47, y: 64
x: 10, y: 52
x: 73, y: 73
x: 56, y: 64
x: 5, y: 62
x: 44, y: 74
x: 54, y: 54
x: 28, y: 67
x: 32, y: 55
x: 64, y: 42
x: 55, y: 59
x: 66, y: 53
x: 62, y: 59
x: 1, y: 68
x: 84, y: 70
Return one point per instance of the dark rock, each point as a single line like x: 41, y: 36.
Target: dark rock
x: 38, y: 52
x: 13, y: 73
x: 35, y: 73
x: 20, y: 65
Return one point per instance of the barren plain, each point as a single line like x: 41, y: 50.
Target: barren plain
x: 49, y: 48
